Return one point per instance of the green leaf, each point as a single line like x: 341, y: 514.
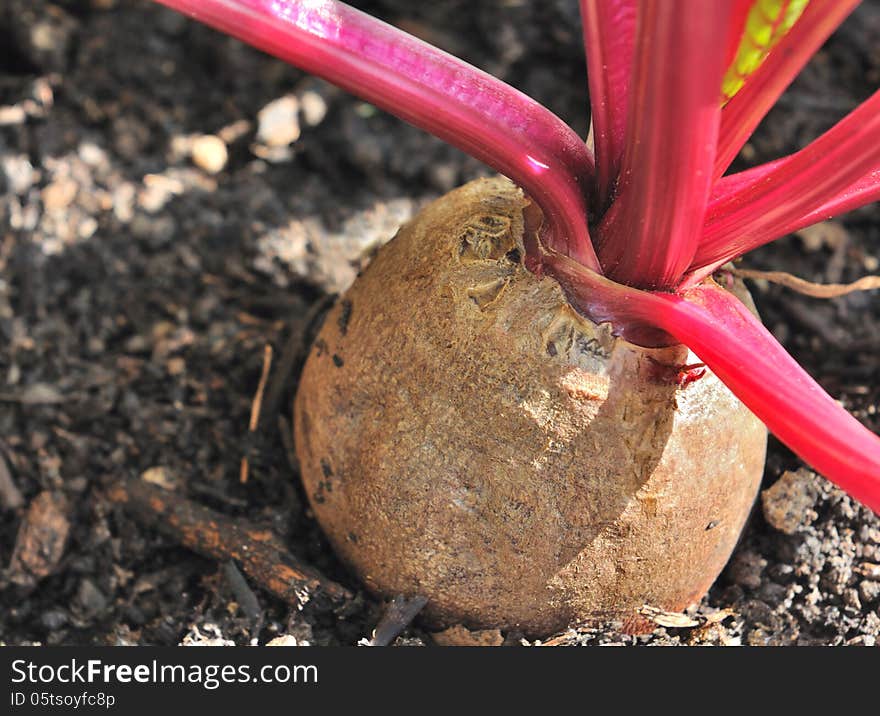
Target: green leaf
x: 766, y: 24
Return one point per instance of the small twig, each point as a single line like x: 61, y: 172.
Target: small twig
x: 247, y: 600
x: 258, y: 552
x: 398, y: 615
x: 256, y: 406
x: 808, y: 288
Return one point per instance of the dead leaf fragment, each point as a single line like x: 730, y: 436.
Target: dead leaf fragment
x: 673, y: 620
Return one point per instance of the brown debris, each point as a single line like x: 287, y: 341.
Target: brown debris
x: 258, y: 552
x: 41, y: 539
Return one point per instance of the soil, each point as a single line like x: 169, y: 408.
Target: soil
x: 144, y: 269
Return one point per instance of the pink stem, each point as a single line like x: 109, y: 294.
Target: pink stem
x: 609, y: 35
x: 430, y: 89
x: 748, y: 360
x: 784, y: 193
x: 861, y: 192
x: 749, y: 106
x: 649, y: 235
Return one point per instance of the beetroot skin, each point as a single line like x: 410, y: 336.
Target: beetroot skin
x: 464, y: 435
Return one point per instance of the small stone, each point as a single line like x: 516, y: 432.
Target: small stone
x: 278, y: 122
x: 40, y: 394
x: 285, y: 640
x: 19, y: 172
x: 869, y: 591
x: 90, y: 598
x: 87, y: 228
x: 59, y: 194
x: 53, y: 620
x: 231, y: 133
x: 160, y: 477
x: 314, y: 108
x: 175, y: 366
x: 92, y: 154
x: 209, y: 153
x: 157, y: 191
x: 12, y: 114
x: 788, y: 503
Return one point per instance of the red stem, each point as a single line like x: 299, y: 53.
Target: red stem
x: 781, y: 195
x: 749, y: 106
x: 749, y: 361
x: 649, y: 235
x: 609, y: 34
x: 430, y: 89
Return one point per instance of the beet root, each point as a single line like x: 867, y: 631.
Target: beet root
x: 465, y: 436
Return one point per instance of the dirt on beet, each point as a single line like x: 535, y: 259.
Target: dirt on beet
x: 172, y: 203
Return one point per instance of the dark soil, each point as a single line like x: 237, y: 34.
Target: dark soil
x: 138, y: 292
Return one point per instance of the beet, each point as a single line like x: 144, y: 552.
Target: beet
x: 466, y: 436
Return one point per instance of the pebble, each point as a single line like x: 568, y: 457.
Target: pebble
x: 314, y: 108
x: 90, y: 598
x: 160, y: 477
x: 285, y: 640
x: 54, y: 619
x: 869, y: 591
x: 209, y: 153
x: 59, y: 194
x: 19, y: 172
x: 12, y: 114
x: 278, y: 122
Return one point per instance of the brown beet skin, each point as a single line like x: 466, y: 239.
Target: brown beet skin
x: 465, y: 436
